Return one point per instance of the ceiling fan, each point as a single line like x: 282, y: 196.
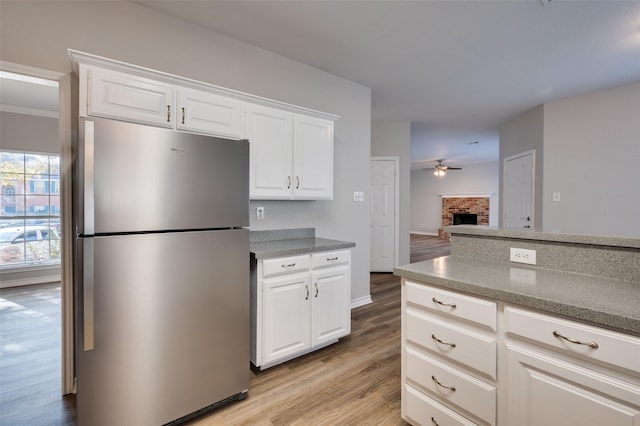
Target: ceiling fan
x: 440, y: 169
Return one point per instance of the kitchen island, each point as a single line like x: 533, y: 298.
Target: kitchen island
x: 489, y: 341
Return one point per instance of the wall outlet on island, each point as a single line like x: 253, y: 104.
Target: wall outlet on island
x: 522, y: 256
x: 260, y: 212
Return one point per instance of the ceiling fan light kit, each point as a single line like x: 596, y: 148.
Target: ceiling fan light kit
x: 440, y: 169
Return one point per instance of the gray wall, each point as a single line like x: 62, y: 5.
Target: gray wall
x: 426, y: 202
x: 29, y: 133
x: 394, y: 140
x: 524, y: 133
x: 588, y: 150
x: 38, y: 34
x: 592, y: 157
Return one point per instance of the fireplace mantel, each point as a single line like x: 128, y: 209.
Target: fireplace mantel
x: 469, y: 195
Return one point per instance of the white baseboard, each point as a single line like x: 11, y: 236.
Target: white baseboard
x: 361, y: 301
x: 424, y: 233
x: 29, y: 281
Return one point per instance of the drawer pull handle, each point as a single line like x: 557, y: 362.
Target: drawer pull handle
x: 593, y: 345
x: 451, y: 388
x: 453, y: 345
x: 434, y: 421
x: 291, y: 265
x: 316, y: 290
x: 331, y: 259
x: 307, y: 288
x: 451, y: 305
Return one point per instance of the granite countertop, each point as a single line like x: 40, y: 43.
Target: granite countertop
x: 293, y: 246
x: 538, y: 235
x: 605, y: 302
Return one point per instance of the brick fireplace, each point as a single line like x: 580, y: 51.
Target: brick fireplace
x: 464, y: 205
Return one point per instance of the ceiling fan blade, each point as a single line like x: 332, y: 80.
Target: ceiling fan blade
x: 454, y: 168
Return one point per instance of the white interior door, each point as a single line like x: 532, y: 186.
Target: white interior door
x: 519, y: 190
x: 384, y: 206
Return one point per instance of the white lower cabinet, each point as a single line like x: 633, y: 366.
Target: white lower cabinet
x: 534, y: 370
x: 299, y: 304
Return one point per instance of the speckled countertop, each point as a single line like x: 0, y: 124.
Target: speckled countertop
x: 293, y: 246
x: 537, y: 235
x: 609, y: 303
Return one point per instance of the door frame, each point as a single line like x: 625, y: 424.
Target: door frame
x: 396, y: 207
x: 532, y: 153
x: 66, y: 263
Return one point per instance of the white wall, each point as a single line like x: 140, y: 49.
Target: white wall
x: 38, y: 34
x: 592, y: 157
x: 394, y: 140
x: 426, y: 203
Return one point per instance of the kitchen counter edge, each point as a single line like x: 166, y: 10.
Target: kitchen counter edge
x: 603, y: 302
x: 291, y: 247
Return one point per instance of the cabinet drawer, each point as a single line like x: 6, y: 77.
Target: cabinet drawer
x: 330, y: 258
x: 284, y: 265
x: 468, y: 308
x: 424, y: 411
x: 606, y: 346
x: 461, y: 389
x: 465, y: 346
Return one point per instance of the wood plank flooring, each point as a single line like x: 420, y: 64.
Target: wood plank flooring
x: 353, y: 382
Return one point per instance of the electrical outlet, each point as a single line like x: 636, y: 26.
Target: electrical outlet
x: 522, y: 256
x: 260, y: 212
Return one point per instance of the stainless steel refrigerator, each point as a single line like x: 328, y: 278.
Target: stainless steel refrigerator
x: 161, y: 273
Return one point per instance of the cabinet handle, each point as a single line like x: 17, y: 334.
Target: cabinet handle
x: 453, y: 345
x: 291, y: 265
x: 182, y: 115
x: 452, y: 305
x: 316, y: 290
x: 306, y: 288
x: 168, y: 113
x: 451, y: 388
x: 288, y: 182
x: 593, y: 345
x: 434, y: 421
x: 331, y: 259
x: 297, y: 182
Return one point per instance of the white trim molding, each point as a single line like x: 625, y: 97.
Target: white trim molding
x: 469, y: 195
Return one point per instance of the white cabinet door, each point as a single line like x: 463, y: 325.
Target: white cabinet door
x: 331, y: 304
x: 209, y: 113
x: 286, y: 315
x: 544, y: 390
x: 113, y: 94
x: 270, y: 134
x: 312, y: 158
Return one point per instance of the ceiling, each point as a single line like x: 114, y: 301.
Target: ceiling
x: 456, y: 69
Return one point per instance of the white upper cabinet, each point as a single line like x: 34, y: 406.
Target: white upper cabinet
x: 291, y: 147
x: 270, y: 134
x: 118, y: 95
x: 291, y: 155
x: 204, y: 112
x: 312, y: 158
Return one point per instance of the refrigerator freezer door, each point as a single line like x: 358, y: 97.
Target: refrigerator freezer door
x: 140, y: 178
x: 171, y: 326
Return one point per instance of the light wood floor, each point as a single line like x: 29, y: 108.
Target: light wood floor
x: 353, y: 382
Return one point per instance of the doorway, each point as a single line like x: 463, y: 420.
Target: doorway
x: 519, y: 173
x: 65, y: 286
x: 384, y: 214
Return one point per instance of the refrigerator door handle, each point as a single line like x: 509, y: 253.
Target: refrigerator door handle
x: 87, y: 294
x: 89, y: 178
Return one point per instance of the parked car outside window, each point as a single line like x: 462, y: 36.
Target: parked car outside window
x: 30, y: 244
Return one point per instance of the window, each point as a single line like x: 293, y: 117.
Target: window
x: 29, y: 209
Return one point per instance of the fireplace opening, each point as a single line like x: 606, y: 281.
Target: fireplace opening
x: 465, y: 219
